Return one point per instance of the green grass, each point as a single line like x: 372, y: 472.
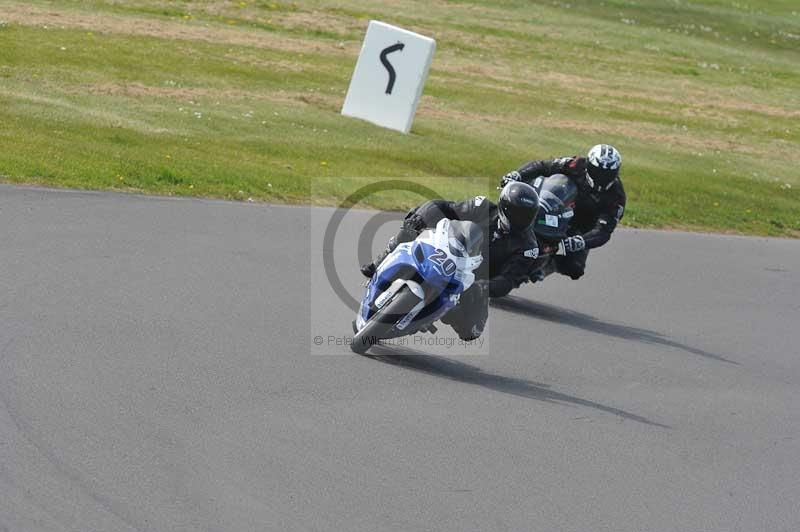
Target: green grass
x: 241, y: 100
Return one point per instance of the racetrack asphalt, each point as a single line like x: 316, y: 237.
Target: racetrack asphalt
x: 158, y: 372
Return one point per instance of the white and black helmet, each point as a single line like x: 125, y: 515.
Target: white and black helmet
x: 602, y: 167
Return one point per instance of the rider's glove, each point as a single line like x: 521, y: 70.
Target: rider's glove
x: 574, y: 243
x: 414, y: 222
x: 509, y: 177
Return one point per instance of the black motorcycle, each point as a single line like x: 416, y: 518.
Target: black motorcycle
x: 557, y: 196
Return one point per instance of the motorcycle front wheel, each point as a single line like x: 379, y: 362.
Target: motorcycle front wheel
x: 382, y: 321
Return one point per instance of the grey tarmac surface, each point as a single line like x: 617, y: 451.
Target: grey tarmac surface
x: 158, y: 373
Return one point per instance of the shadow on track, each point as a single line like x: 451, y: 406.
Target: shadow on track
x: 586, y: 322
x: 466, y: 373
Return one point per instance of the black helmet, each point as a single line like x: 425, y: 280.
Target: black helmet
x: 602, y: 167
x: 517, y: 206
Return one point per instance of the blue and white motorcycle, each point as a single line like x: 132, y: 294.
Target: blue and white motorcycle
x: 418, y: 283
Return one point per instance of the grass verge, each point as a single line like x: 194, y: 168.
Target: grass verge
x: 241, y: 100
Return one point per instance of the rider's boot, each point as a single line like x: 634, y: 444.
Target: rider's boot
x: 536, y: 276
x: 369, y: 269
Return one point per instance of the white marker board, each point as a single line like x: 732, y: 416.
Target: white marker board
x: 389, y: 76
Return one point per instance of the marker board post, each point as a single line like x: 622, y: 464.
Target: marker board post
x: 389, y: 76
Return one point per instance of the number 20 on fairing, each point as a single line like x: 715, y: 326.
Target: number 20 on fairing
x: 445, y: 264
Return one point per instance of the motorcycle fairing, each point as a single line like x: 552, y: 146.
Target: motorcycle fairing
x: 428, y: 262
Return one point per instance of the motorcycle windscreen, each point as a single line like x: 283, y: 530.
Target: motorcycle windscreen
x: 553, y: 218
x: 556, y: 198
x: 465, y: 238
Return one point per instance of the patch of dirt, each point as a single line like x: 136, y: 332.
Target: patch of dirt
x: 433, y: 108
x: 648, y: 133
x: 27, y: 15
x: 694, y: 98
x: 693, y: 102
x: 295, y: 18
x: 109, y: 117
x: 137, y: 90
x: 273, y: 64
x: 328, y: 102
x: 715, y: 107
x: 319, y: 21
